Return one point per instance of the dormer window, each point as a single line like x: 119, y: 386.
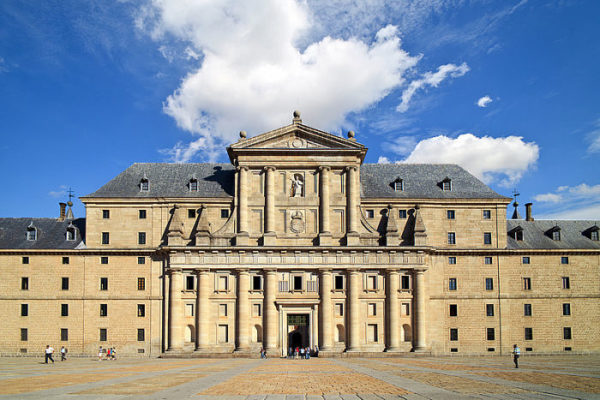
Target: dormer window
x: 71, y: 232
x: 592, y: 233
x: 398, y: 185
x: 516, y: 233
x: 447, y: 184
x: 144, y: 184
x: 31, y: 232
x: 554, y: 233
x: 193, y: 185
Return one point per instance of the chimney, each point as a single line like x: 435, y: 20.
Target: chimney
x: 528, y: 216
x: 63, y: 207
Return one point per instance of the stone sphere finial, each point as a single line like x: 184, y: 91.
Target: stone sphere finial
x: 243, y: 134
x: 70, y: 203
x: 350, y: 134
x: 296, y: 114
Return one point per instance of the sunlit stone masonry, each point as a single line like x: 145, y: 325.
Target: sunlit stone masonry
x: 298, y: 243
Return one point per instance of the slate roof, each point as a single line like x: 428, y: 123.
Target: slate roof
x: 217, y: 180
x: 171, y: 180
x: 534, y: 234
x: 51, y: 233
x: 422, y: 181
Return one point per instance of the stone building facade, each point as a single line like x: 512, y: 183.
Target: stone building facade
x: 296, y: 242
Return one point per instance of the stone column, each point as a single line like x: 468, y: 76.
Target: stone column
x: 242, y: 236
x: 354, y: 320
x: 419, y: 303
x: 270, y: 310
x: 202, y: 309
x: 352, y: 236
x: 243, y: 308
x: 175, y: 310
x: 393, y: 310
x: 269, y: 235
x: 325, y: 227
x: 326, y: 323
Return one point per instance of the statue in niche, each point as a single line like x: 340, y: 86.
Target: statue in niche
x: 297, y: 185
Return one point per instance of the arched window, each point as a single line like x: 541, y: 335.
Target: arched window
x: 407, y: 332
x: 31, y: 232
x: 193, y: 185
x: 144, y: 184
x: 340, y: 333
x: 71, y: 234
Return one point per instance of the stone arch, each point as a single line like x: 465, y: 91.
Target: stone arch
x: 407, y: 332
x: 257, y: 333
x: 340, y: 333
x: 190, y: 334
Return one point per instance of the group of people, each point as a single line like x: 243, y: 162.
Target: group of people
x: 300, y: 352
x: 111, y: 354
x: 50, y: 351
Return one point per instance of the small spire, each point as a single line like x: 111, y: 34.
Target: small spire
x: 297, y: 119
x: 516, y: 214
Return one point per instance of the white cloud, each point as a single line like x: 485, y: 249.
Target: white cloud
x: 484, y: 101
x: 431, y: 79
x: 61, y: 192
x: 572, y: 202
x: 260, y: 60
x: 383, y: 160
x: 490, y: 159
x: 594, y: 138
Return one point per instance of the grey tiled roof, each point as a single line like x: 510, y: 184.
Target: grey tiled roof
x: 535, y: 234
x: 171, y: 180
x: 51, y: 233
x: 422, y: 181
x: 217, y: 180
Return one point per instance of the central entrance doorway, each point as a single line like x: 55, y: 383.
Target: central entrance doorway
x: 298, y: 330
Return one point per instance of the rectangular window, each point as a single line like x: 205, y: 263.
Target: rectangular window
x: 103, y: 283
x: 527, y: 310
x: 371, y: 282
x: 526, y: 283
x: 64, y: 310
x: 64, y: 283
x: 372, y: 309
x: 65, y: 260
x: 487, y: 260
x: 405, y: 281
x: 142, y: 214
x: 141, y: 310
x: 104, y: 260
x: 566, y: 283
x: 489, y: 283
x: 489, y: 310
x: 402, y: 214
x: 450, y: 214
x: 453, y: 334
x: 24, y: 310
x: 594, y: 236
x: 451, y: 260
x: 106, y: 214
x: 105, y: 238
x: 256, y: 310
x: 222, y: 283
x: 25, y: 260
x: 103, y: 310
x: 23, y: 334
x: 222, y: 310
x: 256, y: 282
x: 556, y: 235
x: 564, y: 260
x: 189, y: 283
x: 339, y: 309
x: 372, y: 335
x: 406, y: 308
x: 491, y: 334
x: 453, y: 310
x: 223, y: 336
x: 103, y: 335
x: 191, y: 213
x: 64, y: 335
x: 189, y: 310
x: 526, y: 260
x: 487, y: 214
x: 24, y: 283
x: 141, y: 237
x: 566, y: 308
x: 142, y: 284
x: 370, y: 214
x: 297, y: 282
x: 141, y: 260
x: 567, y: 333
x: 224, y: 213
x: 451, y: 238
x: 339, y: 282
x: 452, y: 284
x: 487, y: 238
x: 141, y: 336
x: 528, y: 333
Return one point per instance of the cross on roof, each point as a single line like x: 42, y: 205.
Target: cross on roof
x: 71, y: 195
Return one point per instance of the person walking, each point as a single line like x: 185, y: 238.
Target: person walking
x: 301, y: 352
x: 307, y: 353
x: 516, y: 354
x: 63, y: 353
x: 49, y: 352
x: 113, y: 354
x: 290, y: 352
x: 100, y: 353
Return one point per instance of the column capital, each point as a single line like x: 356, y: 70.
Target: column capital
x: 392, y: 271
x: 242, y: 271
x: 243, y: 168
x: 324, y: 168
x: 351, y: 168
x: 419, y: 271
x: 174, y: 270
x: 270, y: 271
x: 269, y: 168
x: 325, y: 271
x: 353, y: 270
x: 201, y: 271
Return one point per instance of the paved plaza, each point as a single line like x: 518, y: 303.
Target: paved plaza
x: 542, y: 377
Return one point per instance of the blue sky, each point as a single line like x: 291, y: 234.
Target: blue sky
x: 508, y: 89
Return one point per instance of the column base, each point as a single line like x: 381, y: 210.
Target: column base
x: 242, y: 239
x: 352, y: 239
x: 269, y: 239
x: 420, y: 349
x: 353, y: 350
x: 175, y: 351
x: 394, y: 350
x: 325, y: 239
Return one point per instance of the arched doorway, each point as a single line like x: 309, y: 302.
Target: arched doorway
x: 295, y: 339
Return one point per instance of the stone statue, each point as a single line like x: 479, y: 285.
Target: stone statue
x: 297, y: 185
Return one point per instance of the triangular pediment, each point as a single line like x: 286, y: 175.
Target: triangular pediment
x: 297, y: 136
